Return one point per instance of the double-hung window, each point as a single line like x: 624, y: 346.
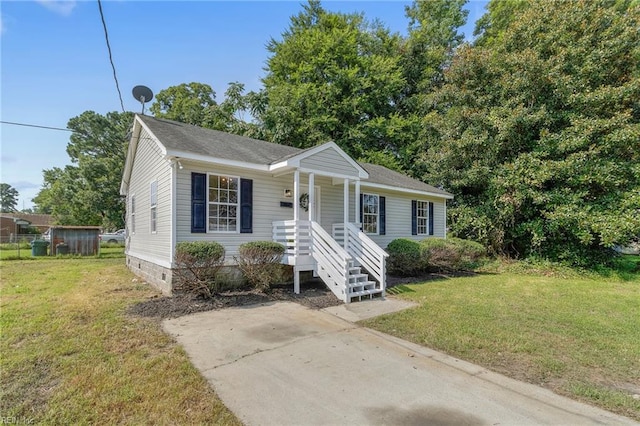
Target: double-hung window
x: 223, y: 203
x: 422, y: 217
x: 370, y: 213
x: 153, y: 202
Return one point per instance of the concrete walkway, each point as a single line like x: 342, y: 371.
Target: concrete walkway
x: 284, y: 364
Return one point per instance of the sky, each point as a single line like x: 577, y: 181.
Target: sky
x: 54, y: 62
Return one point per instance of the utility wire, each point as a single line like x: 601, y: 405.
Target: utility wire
x: 113, y: 67
x: 13, y: 123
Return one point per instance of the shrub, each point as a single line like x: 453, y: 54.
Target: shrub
x: 197, y: 264
x: 404, y: 257
x: 451, y: 254
x: 260, y: 264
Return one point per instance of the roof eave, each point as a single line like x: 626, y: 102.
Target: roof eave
x: 406, y: 190
x: 185, y: 155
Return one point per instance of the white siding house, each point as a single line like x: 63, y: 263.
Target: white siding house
x: 185, y: 183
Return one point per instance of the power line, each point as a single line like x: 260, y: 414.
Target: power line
x: 37, y: 126
x: 113, y: 67
x: 13, y: 123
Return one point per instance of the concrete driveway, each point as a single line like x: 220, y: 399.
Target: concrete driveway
x: 284, y: 364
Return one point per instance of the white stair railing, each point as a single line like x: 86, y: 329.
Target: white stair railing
x: 332, y: 261
x: 308, y: 240
x: 364, y: 250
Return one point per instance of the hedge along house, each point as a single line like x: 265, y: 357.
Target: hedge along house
x: 333, y: 214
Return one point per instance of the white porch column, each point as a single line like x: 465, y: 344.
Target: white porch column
x: 296, y: 195
x: 345, y: 209
x: 312, y: 197
x: 357, y: 203
x: 346, y: 202
x: 296, y: 217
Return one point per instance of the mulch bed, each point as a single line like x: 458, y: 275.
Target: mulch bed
x: 313, y: 294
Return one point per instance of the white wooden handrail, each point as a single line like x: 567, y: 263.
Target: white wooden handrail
x: 364, y: 250
x: 307, y: 238
x: 333, y: 261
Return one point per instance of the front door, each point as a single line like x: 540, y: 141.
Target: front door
x: 304, y: 203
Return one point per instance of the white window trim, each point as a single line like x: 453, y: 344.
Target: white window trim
x: 153, y: 207
x: 364, y: 194
x: 132, y: 215
x: 237, y: 231
x: 426, y: 228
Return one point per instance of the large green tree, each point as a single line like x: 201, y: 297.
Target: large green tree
x: 8, y: 198
x: 87, y: 191
x: 538, y: 133
x: 433, y: 37
x: 195, y: 103
x: 500, y: 14
x: 333, y: 76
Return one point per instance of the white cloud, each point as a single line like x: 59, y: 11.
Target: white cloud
x: 7, y: 159
x: 61, y: 7
x: 23, y: 185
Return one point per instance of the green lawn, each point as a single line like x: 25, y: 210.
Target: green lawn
x: 71, y: 355
x: 11, y: 252
x: 576, y: 334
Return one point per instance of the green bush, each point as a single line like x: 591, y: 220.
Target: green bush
x: 197, y: 264
x: 451, y: 254
x: 260, y: 263
x: 404, y: 257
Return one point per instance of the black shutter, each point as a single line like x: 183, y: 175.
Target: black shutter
x: 430, y: 218
x: 246, y: 206
x: 414, y: 217
x: 383, y: 216
x: 198, y: 202
x: 361, y: 209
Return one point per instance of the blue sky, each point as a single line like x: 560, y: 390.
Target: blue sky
x: 54, y: 61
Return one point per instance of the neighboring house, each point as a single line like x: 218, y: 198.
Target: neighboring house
x: 186, y: 183
x: 18, y: 223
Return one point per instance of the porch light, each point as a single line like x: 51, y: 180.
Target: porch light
x: 288, y: 193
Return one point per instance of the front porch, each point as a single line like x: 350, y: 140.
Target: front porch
x: 350, y: 263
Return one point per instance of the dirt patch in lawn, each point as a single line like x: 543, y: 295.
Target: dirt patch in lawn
x: 313, y: 294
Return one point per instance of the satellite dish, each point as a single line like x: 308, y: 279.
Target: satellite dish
x: 142, y: 94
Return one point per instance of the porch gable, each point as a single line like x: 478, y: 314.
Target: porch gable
x: 327, y: 160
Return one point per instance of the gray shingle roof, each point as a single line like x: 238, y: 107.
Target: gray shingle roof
x: 182, y: 137
x: 384, y: 176
x: 213, y: 143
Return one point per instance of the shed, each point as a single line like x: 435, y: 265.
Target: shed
x: 83, y: 240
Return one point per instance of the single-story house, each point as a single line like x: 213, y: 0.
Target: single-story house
x: 333, y: 214
x: 14, y: 226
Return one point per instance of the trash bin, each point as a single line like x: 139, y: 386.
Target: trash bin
x: 62, y: 248
x: 39, y: 247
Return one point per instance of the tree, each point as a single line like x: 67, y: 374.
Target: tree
x: 8, y: 198
x: 500, y: 13
x: 87, y: 192
x: 186, y: 103
x: 195, y: 103
x: 538, y: 133
x: 333, y: 77
x: 433, y: 37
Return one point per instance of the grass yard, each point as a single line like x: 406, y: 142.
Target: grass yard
x: 12, y: 253
x: 71, y: 355
x: 576, y: 334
